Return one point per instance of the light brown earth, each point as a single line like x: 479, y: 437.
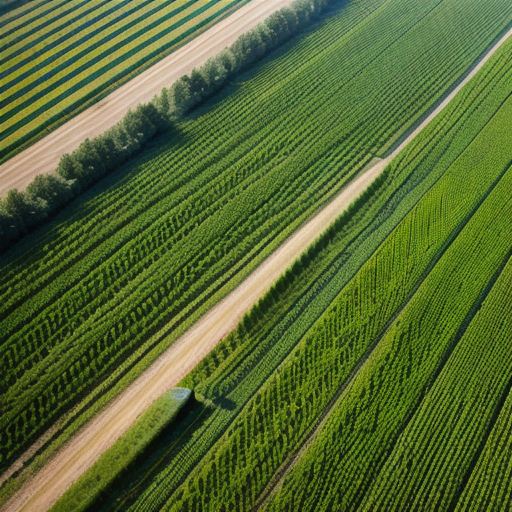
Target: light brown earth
x: 80, y: 453
x: 44, y: 155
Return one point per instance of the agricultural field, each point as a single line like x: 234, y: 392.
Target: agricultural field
x: 375, y: 374
x: 95, y: 291
x: 368, y: 346
x: 57, y: 58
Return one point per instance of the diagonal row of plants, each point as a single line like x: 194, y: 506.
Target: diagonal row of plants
x: 487, y: 486
x: 29, y: 90
x: 52, y: 36
x: 23, y: 16
x: 216, y: 155
x: 95, y: 314
x: 109, y: 327
x: 231, y: 377
x: 444, y: 436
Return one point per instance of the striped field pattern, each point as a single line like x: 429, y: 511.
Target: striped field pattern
x: 57, y: 57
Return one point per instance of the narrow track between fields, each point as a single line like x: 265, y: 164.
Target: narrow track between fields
x: 44, y: 155
x: 98, y: 435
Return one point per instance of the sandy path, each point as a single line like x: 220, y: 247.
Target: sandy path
x: 44, y: 155
x: 80, y: 453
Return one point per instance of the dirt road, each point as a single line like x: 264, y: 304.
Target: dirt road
x: 81, y: 452
x: 44, y: 155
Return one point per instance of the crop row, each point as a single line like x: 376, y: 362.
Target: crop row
x: 488, y: 485
x: 78, y: 237
x: 197, y: 154
x: 124, y: 452
x: 250, y: 355
x: 245, y: 359
x: 427, y: 467
x: 85, y: 20
x: 122, y: 278
x: 286, y: 406
x: 29, y: 19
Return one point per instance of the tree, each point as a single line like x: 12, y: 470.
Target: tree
x: 51, y: 188
x: 121, y: 141
x: 266, y: 35
x: 69, y: 168
x: 10, y: 228
x: 93, y: 166
x: 132, y: 125
x: 214, y: 73
x: 228, y: 59
x: 292, y: 21
x: 24, y: 210
x: 248, y: 47
x: 162, y: 104
x: 303, y: 9
x: 108, y: 150
x: 180, y: 98
x: 277, y: 23
x: 198, y: 86
x: 153, y: 121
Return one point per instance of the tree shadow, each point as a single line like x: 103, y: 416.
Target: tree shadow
x: 225, y: 403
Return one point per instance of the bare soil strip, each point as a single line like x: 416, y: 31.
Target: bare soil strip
x: 44, y: 155
x: 83, y: 450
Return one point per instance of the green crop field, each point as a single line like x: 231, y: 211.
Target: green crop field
x: 362, y: 427
x: 58, y: 57
x: 375, y: 375
x: 403, y: 326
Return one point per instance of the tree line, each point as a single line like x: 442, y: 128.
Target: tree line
x: 22, y: 210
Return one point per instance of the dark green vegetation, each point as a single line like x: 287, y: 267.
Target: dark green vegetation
x: 454, y: 418
x: 488, y: 484
x: 124, y: 452
x: 91, y: 299
x: 59, y: 57
x: 393, y: 301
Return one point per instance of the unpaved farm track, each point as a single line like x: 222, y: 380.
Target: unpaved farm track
x: 44, y: 155
x: 79, y: 454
